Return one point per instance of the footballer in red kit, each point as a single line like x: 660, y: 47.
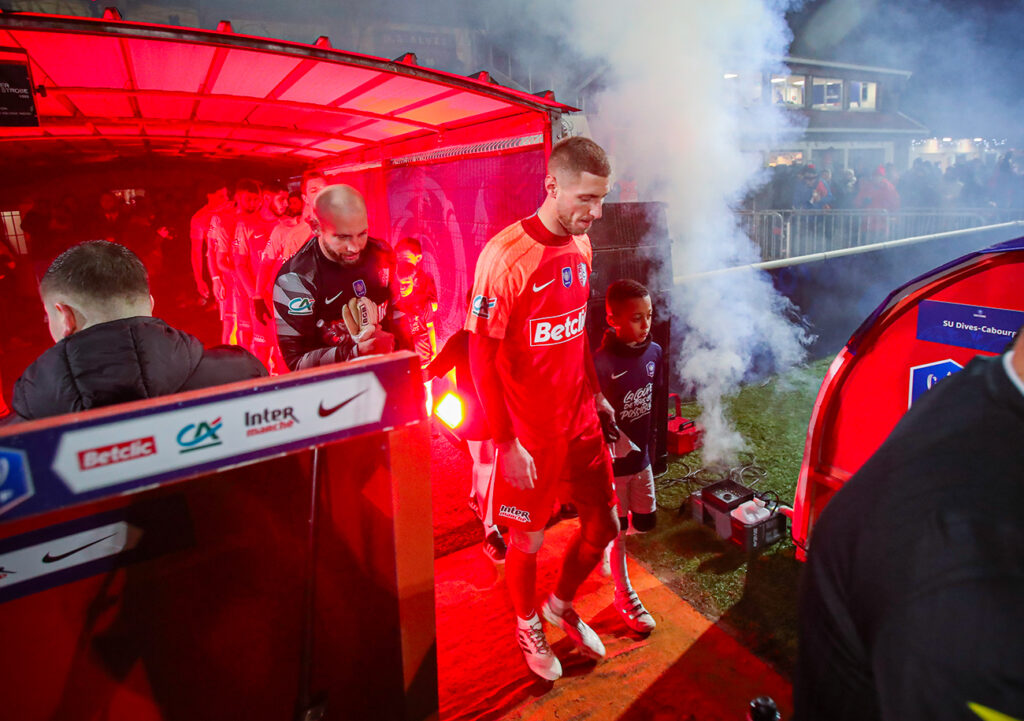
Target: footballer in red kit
x: 531, y: 293
x: 532, y: 367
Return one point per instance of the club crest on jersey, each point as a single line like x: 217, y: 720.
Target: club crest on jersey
x: 303, y: 305
x: 482, y: 305
x: 359, y: 288
x: 567, y: 276
x: 384, y: 275
x: 581, y: 273
x: 650, y: 369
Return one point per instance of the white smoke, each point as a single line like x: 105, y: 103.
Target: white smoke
x: 671, y: 118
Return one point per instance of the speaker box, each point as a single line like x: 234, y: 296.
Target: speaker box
x: 631, y: 241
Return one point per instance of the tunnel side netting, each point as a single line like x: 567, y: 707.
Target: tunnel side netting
x: 453, y: 208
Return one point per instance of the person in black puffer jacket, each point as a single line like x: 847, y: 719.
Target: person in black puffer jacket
x: 109, y: 349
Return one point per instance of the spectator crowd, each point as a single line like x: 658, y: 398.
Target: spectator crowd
x: 967, y: 184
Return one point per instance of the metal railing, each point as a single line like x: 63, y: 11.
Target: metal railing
x: 790, y: 233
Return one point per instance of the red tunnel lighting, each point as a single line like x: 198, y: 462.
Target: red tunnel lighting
x: 449, y: 410
x: 178, y: 92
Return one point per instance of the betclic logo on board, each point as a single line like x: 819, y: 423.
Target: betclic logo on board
x: 86, y: 460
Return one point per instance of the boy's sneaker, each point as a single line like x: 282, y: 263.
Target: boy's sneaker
x: 536, y: 651
x: 633, y: 612
x: 494, y: 547
x: 587, y: 641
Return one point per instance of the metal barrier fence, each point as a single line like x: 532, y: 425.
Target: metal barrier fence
x: 791, y: 233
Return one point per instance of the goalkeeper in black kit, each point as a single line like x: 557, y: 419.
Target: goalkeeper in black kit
x: 334, y: 300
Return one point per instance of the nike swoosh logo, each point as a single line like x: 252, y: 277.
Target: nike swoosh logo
x: 331, y: 300
x: 619, y: 375
x: 539, y: 288
x: 324, y: 412
x: 48, y: 558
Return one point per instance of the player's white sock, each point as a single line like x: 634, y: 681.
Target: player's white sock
x: 558, y: 605
x: 617, y: 561
x: 526, y: 622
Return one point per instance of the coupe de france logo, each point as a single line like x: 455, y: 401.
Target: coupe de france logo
x: 923, y: 377
x: 581, y: 273
x: 15, y: 479
x: 567, y: 276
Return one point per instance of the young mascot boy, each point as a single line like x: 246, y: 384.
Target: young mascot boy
x: 629, y: 369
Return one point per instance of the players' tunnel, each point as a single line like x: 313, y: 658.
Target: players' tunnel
x: 93, y: 105
x: 102, y: 104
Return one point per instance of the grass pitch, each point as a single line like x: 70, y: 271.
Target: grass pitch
x: 752, y: 596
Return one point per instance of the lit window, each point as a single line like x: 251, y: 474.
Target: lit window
x: 128, y: 195
x: 788, y: 90
x: 784, y: 157
x: 863, y: 95
x: 827, y: 94
x: 10, y: 222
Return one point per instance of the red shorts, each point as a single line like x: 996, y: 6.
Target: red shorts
x: 579, y: 469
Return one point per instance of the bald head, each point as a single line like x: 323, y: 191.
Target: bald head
x: 341, y: 212
x: 339, y: 200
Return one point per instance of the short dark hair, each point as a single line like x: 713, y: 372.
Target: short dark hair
x: 579, y: 155
x: 97, y: 270
x: 409, y: 243
x: 308, y: 176
x: 623, y: 290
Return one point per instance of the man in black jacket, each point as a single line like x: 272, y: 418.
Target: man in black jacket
x: 109, y: 349
x: 912, y: 604
x: 340, y: 271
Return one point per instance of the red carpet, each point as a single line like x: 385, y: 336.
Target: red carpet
x: 686, y: 669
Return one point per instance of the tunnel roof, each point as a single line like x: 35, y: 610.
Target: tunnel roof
x: 108, y: 90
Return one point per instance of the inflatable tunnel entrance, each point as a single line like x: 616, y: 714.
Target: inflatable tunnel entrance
x: 924, y: 331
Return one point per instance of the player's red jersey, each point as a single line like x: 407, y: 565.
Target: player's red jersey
x: 531, y: 290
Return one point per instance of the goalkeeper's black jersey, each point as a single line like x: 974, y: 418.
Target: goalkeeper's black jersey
x: 310, y: 292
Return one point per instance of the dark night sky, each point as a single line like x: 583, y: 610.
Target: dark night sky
x: 967, y: 57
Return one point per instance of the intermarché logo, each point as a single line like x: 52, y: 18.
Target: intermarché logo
x: 197, y: 436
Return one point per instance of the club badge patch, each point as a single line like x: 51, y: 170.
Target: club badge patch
x: 650, y: 369
x: 482, y: 305
x: 581, y: 273
x: 567, y: 276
